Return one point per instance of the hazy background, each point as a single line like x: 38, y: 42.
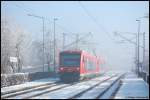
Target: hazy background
x: 102, y: 19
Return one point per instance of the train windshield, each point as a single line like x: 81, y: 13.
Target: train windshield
x: 68, y: 59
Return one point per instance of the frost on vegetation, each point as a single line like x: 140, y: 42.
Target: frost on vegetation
x: 13, y: 39
x: 13, y: 79
x: 17, y: 42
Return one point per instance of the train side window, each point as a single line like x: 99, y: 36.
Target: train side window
x: 83, y: 59
x: 86, y: 63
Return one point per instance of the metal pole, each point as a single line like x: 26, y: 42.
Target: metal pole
x: 17, y: 55
x: 136, y: 55
x: 49, y: 54
x: 43, y: 33
x: 138, y: 45
x: 43, y: 43
x: 143, y: 49
x: 54, y: 44
x: 77, y: 38
x: 144, y: 46
x: 64, y: 41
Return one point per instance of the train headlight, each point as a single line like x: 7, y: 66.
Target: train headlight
x: 78, y: 69
x: 61, y: 68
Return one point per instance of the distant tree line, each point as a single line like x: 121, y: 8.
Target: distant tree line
x: 16, y: 42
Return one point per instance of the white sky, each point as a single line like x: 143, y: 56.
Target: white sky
x: 111, y: 16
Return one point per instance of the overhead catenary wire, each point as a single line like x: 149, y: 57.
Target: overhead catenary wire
x: 130, y: 33
x: 22, y: 8
x: 27, y: 11
x: 94, y: 20
x: 79, y: 39
x: 26, y: 6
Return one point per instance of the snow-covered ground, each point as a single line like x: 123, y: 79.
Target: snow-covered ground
x: 133, y: 88
x: 27, y: 85
x: 71, y: 91
x: 94, y: 93
x: 62, y: 93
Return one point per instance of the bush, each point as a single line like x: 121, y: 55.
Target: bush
x: 19, y: 78
x: 13, y: 79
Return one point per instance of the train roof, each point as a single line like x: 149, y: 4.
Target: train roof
x: 72, y: 51
x: 75, y: 51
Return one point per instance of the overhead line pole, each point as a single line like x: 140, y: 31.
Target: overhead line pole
x: 43, y: 33
x: 77, y: 39
x: 43, y: 44
x: 143, y: 50
x: 54, y: 44
x: 135, y: 43
x: 64, y: 35
x: 138, y: 53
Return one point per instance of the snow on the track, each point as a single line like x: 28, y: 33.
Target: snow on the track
x: 72, y: 90
x: 28, y: 84
x: 30, y: 94
x: 65, y: 92
x: 94, y: 93
x: 110, y: 91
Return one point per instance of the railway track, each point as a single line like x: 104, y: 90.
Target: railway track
x: 75, y: 90
x: 99, y: 91
x: 110, y: 91
x: 24, y: 90
x: 35, y: 91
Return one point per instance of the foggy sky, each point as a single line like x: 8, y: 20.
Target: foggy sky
x: 111, y: 16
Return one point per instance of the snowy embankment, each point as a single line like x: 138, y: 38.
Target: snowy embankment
x: 13, y: 79
x: 19, y: 78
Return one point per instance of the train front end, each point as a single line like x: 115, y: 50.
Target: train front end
x: 69, y: 66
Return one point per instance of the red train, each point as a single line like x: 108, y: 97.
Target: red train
x: 77, y: 65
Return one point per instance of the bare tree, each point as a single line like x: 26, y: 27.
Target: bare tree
x: 36, y: 53
x: 12, y: 37
x: 5, y: 47
x: 18, y: 53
